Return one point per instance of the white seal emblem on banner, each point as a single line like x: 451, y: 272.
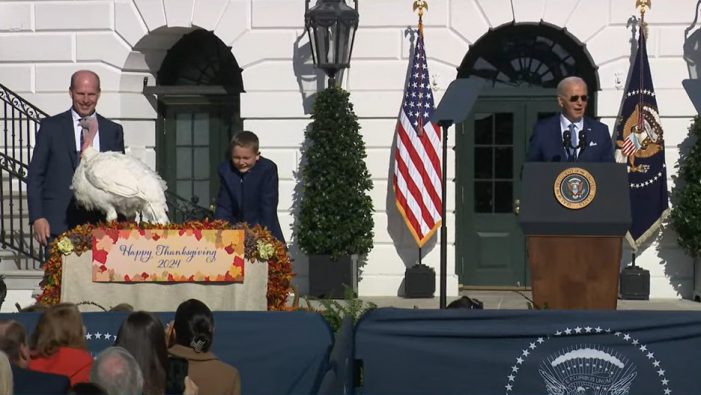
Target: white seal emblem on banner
x: 585, y: 368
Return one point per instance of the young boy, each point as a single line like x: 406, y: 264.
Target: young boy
x: 248, y: 190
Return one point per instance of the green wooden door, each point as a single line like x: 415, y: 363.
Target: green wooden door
x: 491, y: 147
x: 193, y: 141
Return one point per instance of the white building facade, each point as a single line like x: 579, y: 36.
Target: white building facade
x: 128, y: 41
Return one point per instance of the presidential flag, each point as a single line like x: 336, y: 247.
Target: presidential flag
x: 417, y: 167
x: 640, y: 144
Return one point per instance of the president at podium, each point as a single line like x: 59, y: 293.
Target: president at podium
x: 570, y: 136
x: 575, y: 207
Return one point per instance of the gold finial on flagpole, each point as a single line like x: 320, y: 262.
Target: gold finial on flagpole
x: 421, y: 6
x: 643, y: 6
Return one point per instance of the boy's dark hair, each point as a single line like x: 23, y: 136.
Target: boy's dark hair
x: 246, y: 139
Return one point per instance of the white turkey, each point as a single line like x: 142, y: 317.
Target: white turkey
x: 113, y: 182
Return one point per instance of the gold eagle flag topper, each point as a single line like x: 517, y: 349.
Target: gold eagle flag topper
x: 643, y: 5
x: 420, y: 7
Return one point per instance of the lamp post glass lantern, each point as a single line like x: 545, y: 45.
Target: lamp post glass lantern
x: 331, y: 25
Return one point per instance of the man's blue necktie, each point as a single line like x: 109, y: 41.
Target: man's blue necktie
x: 573, y: 140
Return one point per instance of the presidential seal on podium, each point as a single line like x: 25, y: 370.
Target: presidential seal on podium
x: 574, y: 188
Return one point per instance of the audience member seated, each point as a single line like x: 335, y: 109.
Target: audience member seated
x: 117, y: 372
x: 142, y: 334
x: 5, y: 375
x: 193, y: 331
x: 58, y: 344
x: 13, y: 341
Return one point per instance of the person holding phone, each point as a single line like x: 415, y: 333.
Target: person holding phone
x: 193, y: 335
x: 143, y: 336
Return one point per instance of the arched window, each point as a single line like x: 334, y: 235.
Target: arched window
x: 527, y: 55
x: 200, y: 58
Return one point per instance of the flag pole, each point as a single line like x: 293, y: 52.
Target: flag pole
x: 420, y: 6
x: 444, y: 231
x: 643, y: 6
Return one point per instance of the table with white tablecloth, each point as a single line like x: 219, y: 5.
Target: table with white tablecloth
x: 77, y: 286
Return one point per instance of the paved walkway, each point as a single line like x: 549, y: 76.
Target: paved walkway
x: 514, y: 300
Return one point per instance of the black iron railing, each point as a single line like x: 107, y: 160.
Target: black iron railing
x: 182, y: 210
x: 20, y: 122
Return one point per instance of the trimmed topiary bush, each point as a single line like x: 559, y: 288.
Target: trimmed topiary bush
x: 335, y: 210
x: 686, y: 215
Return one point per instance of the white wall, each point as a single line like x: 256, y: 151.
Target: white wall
x: 43, y: 42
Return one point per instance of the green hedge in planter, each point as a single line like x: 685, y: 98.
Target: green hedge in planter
x: 686, y: 215
x: 335, y: 210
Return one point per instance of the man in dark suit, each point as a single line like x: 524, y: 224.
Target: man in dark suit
x: 570, y: 136
x: 248, y: 190
x: 59, y: 141
x: 13, y: 342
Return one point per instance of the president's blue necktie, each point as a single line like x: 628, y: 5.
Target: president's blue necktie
x: 573, y: 140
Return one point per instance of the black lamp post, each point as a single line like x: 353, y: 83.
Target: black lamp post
x: 331, y: 25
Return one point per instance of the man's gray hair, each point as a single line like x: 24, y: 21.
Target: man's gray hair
x: 566, y: 81
x: 116, y: 370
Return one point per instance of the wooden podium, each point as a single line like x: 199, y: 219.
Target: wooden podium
x: 575, y: 216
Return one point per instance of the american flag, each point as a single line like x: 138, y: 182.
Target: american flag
x: 417, y: 167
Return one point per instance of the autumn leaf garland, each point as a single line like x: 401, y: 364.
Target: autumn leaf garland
x: 260, y: 245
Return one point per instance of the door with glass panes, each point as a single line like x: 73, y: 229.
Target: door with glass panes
x: 192, y: 143
x: 491, y: 148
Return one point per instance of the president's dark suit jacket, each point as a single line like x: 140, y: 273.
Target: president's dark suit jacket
x: 251, y: 197
x: 546, y: 142
x: 31, y: 382
x: 52, y: 166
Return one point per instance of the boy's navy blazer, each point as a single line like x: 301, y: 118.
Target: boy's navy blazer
x: 546, y: 142
x: 251, y: 197
x: 51, y: 169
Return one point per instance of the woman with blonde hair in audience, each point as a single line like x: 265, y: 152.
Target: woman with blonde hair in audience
x: 5, y: 375
x: 193, y: 334
x: 58, y: 344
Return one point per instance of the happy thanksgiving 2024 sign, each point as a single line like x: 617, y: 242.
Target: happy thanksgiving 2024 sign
x: 167, y: 255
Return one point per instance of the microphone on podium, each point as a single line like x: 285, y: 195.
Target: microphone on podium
x: 567, y: 140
